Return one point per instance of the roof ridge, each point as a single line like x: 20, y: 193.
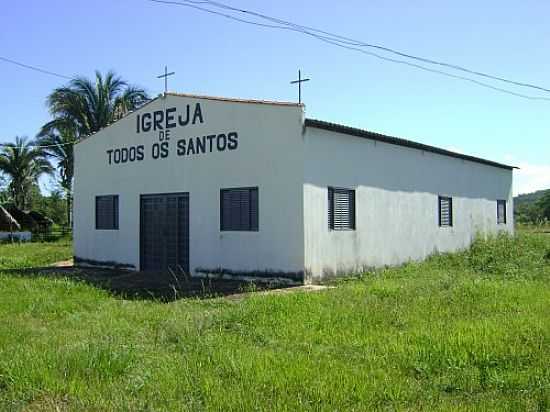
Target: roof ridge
x: 235, y: 99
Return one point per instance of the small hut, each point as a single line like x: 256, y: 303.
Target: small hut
x: 27, y: 222
x: 43, y: 223
x: 7, y: 222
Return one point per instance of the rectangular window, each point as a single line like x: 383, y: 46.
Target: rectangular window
x: 445, y: 211
x: 501, y: 212
x: 341, y: 209
x: 106, y: 212
x: 239, y: 209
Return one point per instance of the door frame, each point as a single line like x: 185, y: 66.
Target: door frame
x: 141, y: 196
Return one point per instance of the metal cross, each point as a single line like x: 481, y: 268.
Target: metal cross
x: 299, y: 82
x: 165, y: 76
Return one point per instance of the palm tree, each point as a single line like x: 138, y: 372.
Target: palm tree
x: 89, y: 106
x: 4, y: 195
x: 79, y: 109
x: 23, y: 163
x: 58, y: 144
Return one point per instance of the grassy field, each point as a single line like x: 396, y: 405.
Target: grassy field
x: 462, y: 332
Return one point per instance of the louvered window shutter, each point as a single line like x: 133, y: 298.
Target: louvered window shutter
x: 106, y: 212
x: 330, y: 208
x: 225, y: 206
x: 501, y: 212
x: 239, y: 209
x: 253, y: 209
x: 341, y: 209
x: 445, y: 211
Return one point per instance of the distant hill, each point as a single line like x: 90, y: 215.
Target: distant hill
x: 528, y: 209
x: 529, y: 198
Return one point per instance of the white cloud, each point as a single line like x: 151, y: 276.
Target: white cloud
x: 456, y: 149
x: 531, y: 177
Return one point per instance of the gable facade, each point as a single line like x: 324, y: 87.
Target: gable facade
x: 197, y: 147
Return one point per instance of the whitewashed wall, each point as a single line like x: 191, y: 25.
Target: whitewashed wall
x: 20, y: 236
x: 269, y: 155
x: 397, y: 192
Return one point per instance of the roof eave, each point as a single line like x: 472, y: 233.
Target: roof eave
x: 235, y: 100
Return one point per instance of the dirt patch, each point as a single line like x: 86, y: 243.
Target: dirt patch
x: 151, y: 285
x: 64, y: 263
x: 47, y: 403
x: 286, y: 290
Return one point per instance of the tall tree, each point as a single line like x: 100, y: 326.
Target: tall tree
x: 4, y: 195
x: 544, y: 206
x: 58, y: 144
x: 88, y: 106
x: 80, y: 108
x: 23, y: 163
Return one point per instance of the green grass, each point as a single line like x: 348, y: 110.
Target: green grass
x: 535, y: 228
x: 25, y: 255
x: 463, y: 332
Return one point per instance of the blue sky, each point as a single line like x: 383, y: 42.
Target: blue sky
x: 215, y: 56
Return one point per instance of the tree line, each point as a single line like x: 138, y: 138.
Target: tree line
x: 534, y: 208
x: 78, y: 109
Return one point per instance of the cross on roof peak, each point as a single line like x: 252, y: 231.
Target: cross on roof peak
x: 299, y: 83
x: 165, y: 76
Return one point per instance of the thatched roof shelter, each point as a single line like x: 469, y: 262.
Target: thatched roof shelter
x: 40, y: 219
x: 23, y: 218
x: 7, y: 222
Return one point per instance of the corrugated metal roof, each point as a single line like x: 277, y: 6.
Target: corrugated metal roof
x: 333, y: 127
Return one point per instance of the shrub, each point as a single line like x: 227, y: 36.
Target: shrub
x: 521, y: 256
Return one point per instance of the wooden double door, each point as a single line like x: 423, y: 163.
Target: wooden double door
x: 164, y: 232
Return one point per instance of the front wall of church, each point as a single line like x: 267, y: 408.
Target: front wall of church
x: 197, y: 146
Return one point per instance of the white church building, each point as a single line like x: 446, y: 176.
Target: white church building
x: 208, y: 185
